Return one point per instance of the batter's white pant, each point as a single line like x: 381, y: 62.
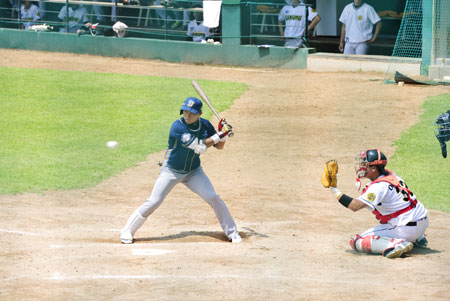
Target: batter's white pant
x: 196, y: 181
x: 356, y: 48
x: 410, y: 233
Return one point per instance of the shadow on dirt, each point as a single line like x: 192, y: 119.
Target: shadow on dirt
x: 424, y: 251
x: 214, y: 234
x: 414, y: 252
x: 218, y: 235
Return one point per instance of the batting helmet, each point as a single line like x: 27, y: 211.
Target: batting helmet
x: 367, y: 158
x: 193, y: 105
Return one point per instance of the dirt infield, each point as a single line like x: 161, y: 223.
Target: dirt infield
x: 65, y: 244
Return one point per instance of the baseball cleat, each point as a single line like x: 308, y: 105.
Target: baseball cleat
x: 126, y: 237
x: 236, y: 238
x: 422, y: 243
x: 399, y: 250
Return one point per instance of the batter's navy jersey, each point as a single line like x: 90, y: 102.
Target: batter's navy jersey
x: 181, y: 158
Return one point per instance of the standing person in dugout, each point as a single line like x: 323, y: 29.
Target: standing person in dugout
x: 357, y: 20
x: 403, y: 218
x: 190, y: 136
x: 294, y: 18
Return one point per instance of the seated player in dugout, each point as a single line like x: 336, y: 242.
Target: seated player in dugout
x: 292, y: 22
x: 75, y: 15
x: 197, y: 30
x: 29, y: 14
x: 403, y: 218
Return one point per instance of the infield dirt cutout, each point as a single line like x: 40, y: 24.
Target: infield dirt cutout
x: 65, y: 244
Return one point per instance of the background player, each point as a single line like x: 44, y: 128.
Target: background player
x: 197, y: 30
x: 77, y: 17
x: 189, y: 137
x: 294, y: 18
x: 29, y: 14
x: 357, y: 20
x: 403, y: 218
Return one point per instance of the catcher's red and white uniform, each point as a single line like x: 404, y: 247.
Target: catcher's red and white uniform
x: 401, y: 214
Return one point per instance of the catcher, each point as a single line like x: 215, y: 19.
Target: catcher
x: 403, y: 218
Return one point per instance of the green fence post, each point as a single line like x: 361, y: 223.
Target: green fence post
x: 231, y: 22
x: 427, y: 35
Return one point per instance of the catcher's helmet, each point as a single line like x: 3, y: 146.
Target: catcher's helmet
x: 368, y: 158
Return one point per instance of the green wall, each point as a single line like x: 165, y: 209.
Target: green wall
x: 173, y: 51
x: 231, y: 52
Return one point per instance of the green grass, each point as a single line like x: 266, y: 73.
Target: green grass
x: 54, y: 125
x: 418, y: 159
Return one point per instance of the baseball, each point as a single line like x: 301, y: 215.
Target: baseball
x: 401, y: 83
x: 112, y: 144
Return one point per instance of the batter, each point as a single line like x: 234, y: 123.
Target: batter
x: 403, y: 218
x: 190, y: 136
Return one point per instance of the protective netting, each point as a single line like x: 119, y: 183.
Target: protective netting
x: 422, y: 42
x: 441, y: 40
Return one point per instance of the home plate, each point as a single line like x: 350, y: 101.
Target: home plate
x: 150, y: 252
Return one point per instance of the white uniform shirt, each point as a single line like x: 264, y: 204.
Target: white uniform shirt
x: 29, y: 16
x: 294, y: 18
x: 359, y: 22
x: 384, y: 197
x: 76, y: 18
x: 197, y: 31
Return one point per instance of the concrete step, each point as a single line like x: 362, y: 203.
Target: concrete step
x: 333, y: 62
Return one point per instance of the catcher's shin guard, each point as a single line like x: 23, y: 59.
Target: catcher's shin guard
x: 135, y: 221
x: 388, y: 247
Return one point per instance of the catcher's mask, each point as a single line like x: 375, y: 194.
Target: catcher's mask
x: 442, y: 130
x: 367, y: 158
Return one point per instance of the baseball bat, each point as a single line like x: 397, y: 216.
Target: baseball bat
x: 205, y: 98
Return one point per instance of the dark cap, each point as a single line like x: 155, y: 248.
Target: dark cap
x: 193, y: 105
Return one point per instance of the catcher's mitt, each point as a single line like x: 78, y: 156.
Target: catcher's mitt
x: 329, y: 174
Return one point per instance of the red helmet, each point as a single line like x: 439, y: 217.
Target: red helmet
x: 368, y: 158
